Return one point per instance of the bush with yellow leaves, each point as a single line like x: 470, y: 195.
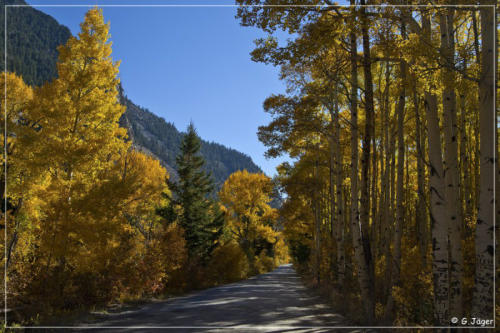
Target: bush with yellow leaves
x: 263, y: 263
x: 228, y: 264
x: 281, y: 252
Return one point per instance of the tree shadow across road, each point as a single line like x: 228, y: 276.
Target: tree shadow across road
x: 272, y: 302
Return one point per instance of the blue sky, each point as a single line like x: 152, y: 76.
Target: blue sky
x: 188, y: 63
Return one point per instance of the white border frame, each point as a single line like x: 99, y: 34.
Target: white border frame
x: 257, y: 327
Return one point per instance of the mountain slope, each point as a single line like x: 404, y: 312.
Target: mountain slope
x: 32, y: 42
x: 153, y: 134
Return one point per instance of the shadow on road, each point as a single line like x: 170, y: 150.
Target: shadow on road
x: 272, y: 302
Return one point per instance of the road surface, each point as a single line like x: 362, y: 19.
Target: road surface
x: 272, y: 302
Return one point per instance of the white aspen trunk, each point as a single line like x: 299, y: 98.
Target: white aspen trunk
x: 483, y: 288
x: 438, y: 211
x: 340, y: 204
x: 451, y: 171
x: 396, y: 257
x: 373, y: 195
x: 333, y: 218
x: 363, y: 275
x: 420, y: 215
x: 439, y: 215
x: 464, y: 161
x: 392, y: 180
x: 497, y: 167
x: 386, y: 186
x: 317, y: 228
x: 381, y: 204
x: 365, y: 164
x: 367, y: 137
x: 463, y: 158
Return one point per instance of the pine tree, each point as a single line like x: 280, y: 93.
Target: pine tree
x: 196, y: 212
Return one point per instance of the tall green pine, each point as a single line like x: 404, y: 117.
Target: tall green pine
x: 199, y: 216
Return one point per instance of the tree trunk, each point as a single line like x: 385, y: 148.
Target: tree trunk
x: 420, y: 215
x: 333, y: 217
x: 340, y: 203
x: 317, y: 228
x: 338, y: 209
x: 363, y: 274
x: 466, y: 208
x: 386, y: 186
x: 439, y: 215
x: 396, y: 258
x: 365, y: 162
x: 483, y: 289
x: 374, y: 195
x: 451, y: 171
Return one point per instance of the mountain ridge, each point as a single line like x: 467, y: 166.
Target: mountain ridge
x: 153, y: 134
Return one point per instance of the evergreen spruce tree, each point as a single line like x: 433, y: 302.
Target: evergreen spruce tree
x: 197, y: 213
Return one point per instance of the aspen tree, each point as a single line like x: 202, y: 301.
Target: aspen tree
x: 356, y: 227
x: 483, y: 284
x: 79, y: 113
x: 340, y: 202
x: 451, y: 172
x: 400, y: 111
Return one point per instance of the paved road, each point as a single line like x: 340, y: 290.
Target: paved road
x: 272, y: 302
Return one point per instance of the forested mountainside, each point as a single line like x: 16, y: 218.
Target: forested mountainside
x: 32, y: 43
x: 162, y: 139
x: 32, y: 40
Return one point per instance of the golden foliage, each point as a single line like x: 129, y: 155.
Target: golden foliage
x: 250, y: 219
x: 228, y: 264
x: 83, y: 228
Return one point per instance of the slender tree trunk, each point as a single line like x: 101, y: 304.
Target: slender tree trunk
x: 363, y: 274
x: 383, y: 188
x: 367, y: 135
x: 392, y: 180
x: 483, y: 288
x: 438, y: 211
x: 477, y: 155
x: 396, y: 258
x: 421, y: 217
x: 439, y: 215
x: 497, y: 167
x: 463, y: 161
x: 333, y: 217
x: 374, y: 194
x: 466, y: 208
x: 340, y: 203
x: 386, y: 187
x: 451, y: 171
x: 365, y: 161
x: 392, y: 208
x: 317, y: 227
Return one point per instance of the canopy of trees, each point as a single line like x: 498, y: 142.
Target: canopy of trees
x: 390, y: 116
